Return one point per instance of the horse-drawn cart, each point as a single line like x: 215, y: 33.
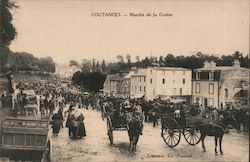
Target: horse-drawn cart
x: 121, y: 118
x: 115, y: 121
x: 173, y: 125
x: 26, y: 136
x: 23, y: 136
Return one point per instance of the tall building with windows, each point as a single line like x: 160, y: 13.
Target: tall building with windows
x: 168, y: 81
x: 138, y: 83
x: 127, y: 84
x: 216, y: 86
x: 114, y: 85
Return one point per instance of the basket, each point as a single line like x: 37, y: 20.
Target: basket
x: 192, y: 121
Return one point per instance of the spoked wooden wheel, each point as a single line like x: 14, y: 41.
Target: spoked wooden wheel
x: 192, y: 136
x: 171, y: 132
x: 110, y: 130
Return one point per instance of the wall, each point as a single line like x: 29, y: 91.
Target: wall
x: 204, y: 92
x: 150, y: 87
x: 137, y: 81
x: 233, y: 80
x: 173, y: 82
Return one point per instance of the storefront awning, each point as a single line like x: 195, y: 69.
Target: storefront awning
x: 140, y: 95
x: 178, y: 100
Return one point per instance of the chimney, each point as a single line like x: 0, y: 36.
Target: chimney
x: 206, y: 64
x: 236, y: 64
x: 212, y: 63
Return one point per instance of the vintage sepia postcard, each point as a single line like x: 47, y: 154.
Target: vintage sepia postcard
x: 124, y: 80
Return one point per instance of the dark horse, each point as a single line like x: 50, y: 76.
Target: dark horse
x: 134, y: 127
x: 217, y: 129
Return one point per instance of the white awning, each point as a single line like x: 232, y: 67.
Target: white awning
x: 140, y: 95
x: 178, y: 100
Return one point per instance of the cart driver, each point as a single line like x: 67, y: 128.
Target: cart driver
x: 126, y: 107
x: 127, y: 104
x: 138, y: 108
x: 138, y: 116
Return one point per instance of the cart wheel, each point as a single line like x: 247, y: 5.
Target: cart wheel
x: 192, y: 136
x: 171, y: 132
x: 110, y: 130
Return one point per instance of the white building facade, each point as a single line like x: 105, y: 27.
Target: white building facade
x: 138, y: 83
x: 168, y: 81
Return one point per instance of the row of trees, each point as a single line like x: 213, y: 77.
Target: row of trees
x: 191, y: 62
x: 27, y: 62
x: 93, y: 73
x: 19, y: 61
x: 22, y: 61
x: 92, y: 81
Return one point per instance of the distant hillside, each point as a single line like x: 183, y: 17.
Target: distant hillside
x: 23, y: 61
x: 30, y: 77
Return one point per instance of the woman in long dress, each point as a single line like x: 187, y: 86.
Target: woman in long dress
x: 81, y: 132
x: 69, y: 123
x: 56, y: 124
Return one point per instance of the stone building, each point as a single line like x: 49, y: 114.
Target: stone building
x: 114, y: 85
x: 138, y: 83
x: 216, y: 86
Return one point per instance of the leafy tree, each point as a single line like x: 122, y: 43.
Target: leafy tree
x: 8, y: 31
x: 169, y: 60
x: 93, y: 66
x: 103, y: 66
x: 95, y: 81
x: 47, y: 65
x: 4, y: 58
x: 73, y: 63
x: 97, y: 66
x: 86, y: 66
x: 128, y: 57
x: 237, y: 55
x: 145, y: 62
x: 91, y: 81
x: 161, y: 61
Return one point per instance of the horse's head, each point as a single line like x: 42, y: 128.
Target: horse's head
x: 134, y: 125
x: 232, y: 123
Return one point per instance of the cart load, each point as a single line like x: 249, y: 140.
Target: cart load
x: 118, y: 118
x: 26, y: 135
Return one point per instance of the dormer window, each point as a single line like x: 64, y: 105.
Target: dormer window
x: 211, y: 75
x: 198, y: 75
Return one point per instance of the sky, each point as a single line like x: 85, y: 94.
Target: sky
x: 66, y: 29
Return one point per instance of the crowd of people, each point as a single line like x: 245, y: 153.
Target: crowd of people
x: 151, y: 111
x: 53, y: 99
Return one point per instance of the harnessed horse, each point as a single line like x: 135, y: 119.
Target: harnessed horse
x: 217, y: 129
x: 134, y: 127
